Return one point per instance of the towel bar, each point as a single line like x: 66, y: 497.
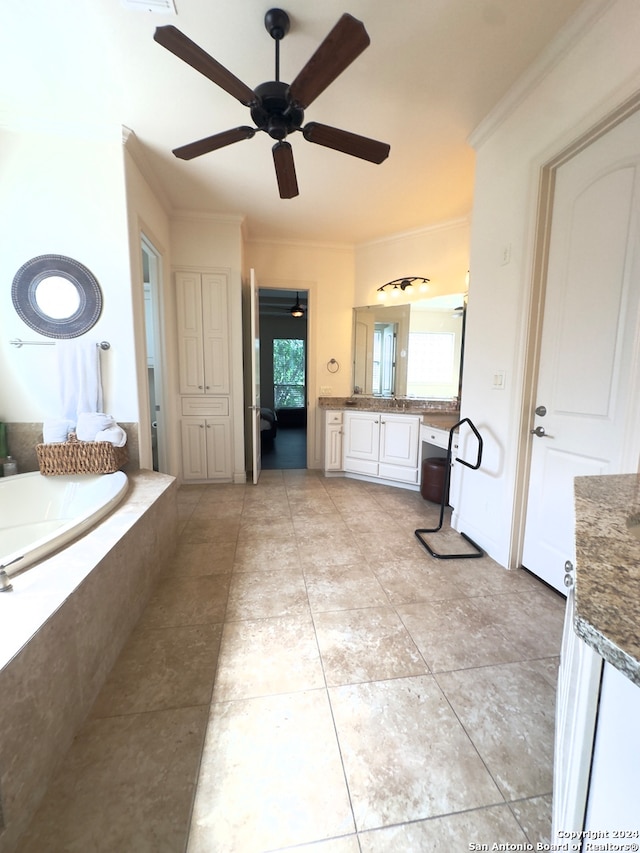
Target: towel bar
x: 16, y: 342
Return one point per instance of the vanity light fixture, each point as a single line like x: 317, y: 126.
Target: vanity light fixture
x: 297, y: 310
x: 402, y: 285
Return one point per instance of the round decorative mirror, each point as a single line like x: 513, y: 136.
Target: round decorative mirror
x: 57, y: 296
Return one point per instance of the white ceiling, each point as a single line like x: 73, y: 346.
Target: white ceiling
x: 433, y: 71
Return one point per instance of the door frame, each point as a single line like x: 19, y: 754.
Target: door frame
x: 147, y: 243
x: 312, y: 447
x: 535, y: 314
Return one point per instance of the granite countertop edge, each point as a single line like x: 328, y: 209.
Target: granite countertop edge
x: 607, y: 572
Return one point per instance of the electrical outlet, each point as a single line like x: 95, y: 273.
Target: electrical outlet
x: 506, y: 254
x: 325, y: 390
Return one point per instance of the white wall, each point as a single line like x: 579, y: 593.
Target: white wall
x: 64, y: 195
x: 584, y: 82
x: 327, y: 273
x: 439, y: 253
x: 148, y: 214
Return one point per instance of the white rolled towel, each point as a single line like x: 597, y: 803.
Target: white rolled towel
x: 115, y: 434
x: 91, y: 423
x: 55, y: 430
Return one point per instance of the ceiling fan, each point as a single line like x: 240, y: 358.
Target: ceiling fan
x: 277, y: 108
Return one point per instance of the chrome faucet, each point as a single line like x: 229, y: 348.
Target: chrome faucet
x: 5, y: 583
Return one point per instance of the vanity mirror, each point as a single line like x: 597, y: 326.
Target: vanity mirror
x: 409, y: 350
x: 56, y: 296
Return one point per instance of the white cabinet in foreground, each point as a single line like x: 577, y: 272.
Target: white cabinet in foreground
x: 381, y: 445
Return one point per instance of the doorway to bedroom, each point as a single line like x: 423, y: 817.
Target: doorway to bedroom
x: 283, y: 377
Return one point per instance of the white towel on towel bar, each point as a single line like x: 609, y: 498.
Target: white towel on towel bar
x: 79, y: 381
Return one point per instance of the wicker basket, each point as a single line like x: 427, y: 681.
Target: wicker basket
x: 81, y: 457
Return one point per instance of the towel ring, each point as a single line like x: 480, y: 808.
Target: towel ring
x: 333, y: 366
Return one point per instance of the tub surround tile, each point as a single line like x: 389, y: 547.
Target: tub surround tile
x: 268, y: 785
x: 607, y: 577
x: 87, y: 597
x: 127, y: 784
x: 406, y: 755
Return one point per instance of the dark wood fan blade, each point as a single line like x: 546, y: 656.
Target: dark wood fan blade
x: 344, y: 43
x: 212, y: 143
x: 187, y: 50
x: 348, y: 143
x: 285, y: 170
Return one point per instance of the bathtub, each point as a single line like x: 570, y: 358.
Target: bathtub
x: 39, y: 515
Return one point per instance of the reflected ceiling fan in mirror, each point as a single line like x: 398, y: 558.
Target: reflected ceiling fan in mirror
x: 277, y: 108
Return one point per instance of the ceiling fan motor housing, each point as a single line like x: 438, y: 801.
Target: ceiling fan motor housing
x: 273, y: 111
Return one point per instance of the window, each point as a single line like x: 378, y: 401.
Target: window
x: 288, y: 373
x: 431, y: 359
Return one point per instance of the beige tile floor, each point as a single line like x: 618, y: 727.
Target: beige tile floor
x: 308, y: 677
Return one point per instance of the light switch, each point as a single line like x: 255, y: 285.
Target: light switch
x: 498, y: 380
x: 325, y: 390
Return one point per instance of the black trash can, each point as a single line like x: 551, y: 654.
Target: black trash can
x: 434, y: 471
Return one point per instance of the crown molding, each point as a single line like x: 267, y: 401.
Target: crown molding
x: 578, y: 24
x: 207, y: 216
x: 447, y: 225
x: 136, y: 150
x: 299, y: 244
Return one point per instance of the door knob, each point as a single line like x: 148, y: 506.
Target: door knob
x: 541, y: 410
x: 539, y: 431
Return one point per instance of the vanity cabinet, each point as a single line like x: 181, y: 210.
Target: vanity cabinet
x: 332, y: 441
x: 203, y: 333
x: 382, y: 445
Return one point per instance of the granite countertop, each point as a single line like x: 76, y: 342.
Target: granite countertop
x: 442, y: 414
x: 607, y: 583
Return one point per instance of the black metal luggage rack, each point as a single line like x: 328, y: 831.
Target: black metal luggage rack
x: 477, y: 552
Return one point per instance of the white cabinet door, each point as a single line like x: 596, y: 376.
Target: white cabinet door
x: 361, y: 442
x: 399, y: 440
x: 218, y: 443
x: 203, y: 338
x: 576, y: 709
x: 189, y: 313
x: 332, y: 441
x: 194, y: 449
x: 206, y: 448
x: 215, y: 339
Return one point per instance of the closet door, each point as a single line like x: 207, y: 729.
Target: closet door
x: 189, y: 311
x: 215, y: 335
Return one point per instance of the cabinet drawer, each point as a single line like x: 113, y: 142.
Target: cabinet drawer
x: 205, y: 406
x: 333, y: 417
x: 433, y: 435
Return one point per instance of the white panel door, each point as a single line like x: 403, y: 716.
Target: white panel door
x: 218, y: 442
x: 194, y: 449
x: 587, y: 374
x: 189, y: 311
x: 399, y: 435
x: 215, y: 338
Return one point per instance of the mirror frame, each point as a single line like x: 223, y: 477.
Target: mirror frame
x: 33, y: 273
